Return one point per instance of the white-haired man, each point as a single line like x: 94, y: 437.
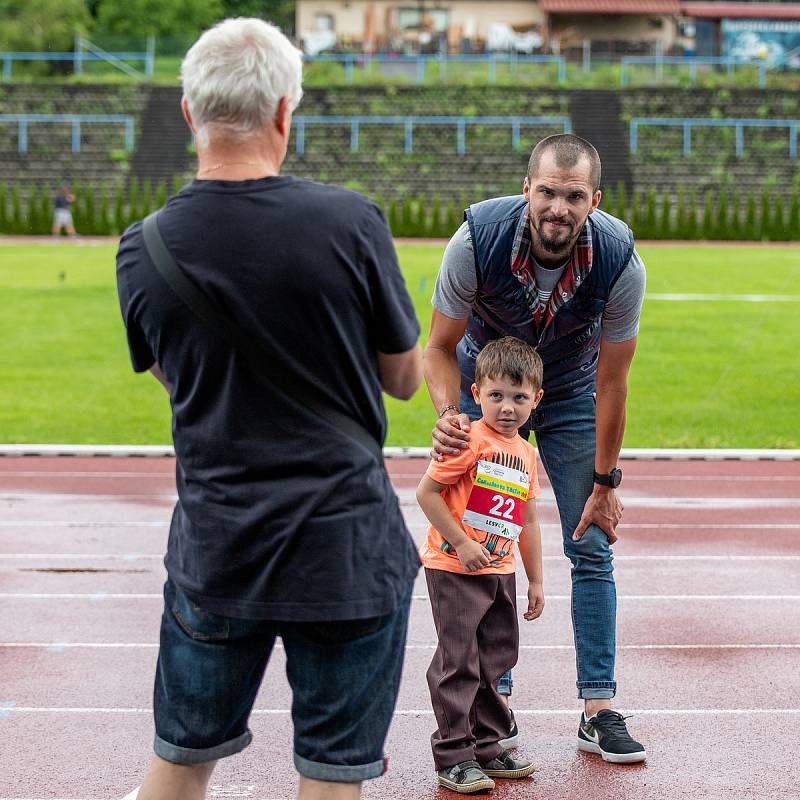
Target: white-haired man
x: 285, y: 524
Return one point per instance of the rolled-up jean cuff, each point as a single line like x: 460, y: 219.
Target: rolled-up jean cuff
x: 596, y: 690
x: 339, y: 773
x: 505, y: 685
x: 189, y: 755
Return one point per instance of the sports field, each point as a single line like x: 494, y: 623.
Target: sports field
x: 717, y: 363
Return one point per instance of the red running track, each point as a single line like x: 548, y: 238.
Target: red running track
x: 708, y: 573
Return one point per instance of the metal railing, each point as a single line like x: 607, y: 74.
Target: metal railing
x: 687, y: 123
x: 418, y: 64
x: 85, y: 51
x: 76, y: 120
x: 459, y: 123
x: 692, y: 62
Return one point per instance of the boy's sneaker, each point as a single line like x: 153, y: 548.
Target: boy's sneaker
x: 504, y: 766
x: 512, y: 740
x: 606, y: 733
x: 465, y: 778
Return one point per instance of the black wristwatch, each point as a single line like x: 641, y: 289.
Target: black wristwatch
x: 613, y: 479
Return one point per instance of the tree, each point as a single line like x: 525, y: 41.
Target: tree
x: 794, y: 214
x: 680, y: 215
x: 278, y: 12
x: 650, y: 222
x: 665, y: 227
x: 172, y: 18
x: 42, y: 25
x: 722, y: 229
x: 707, y: 231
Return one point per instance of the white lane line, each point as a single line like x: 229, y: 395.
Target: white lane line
x: 90, y: 557
x: 86, y: 556
x: 74, y: 474
x: 48, y: 523
x: 546, y: 525
x: 725, y: 298
x: 629, y: 478
x: 56, y: 646
x: 627, y: 453
x: 706, y: 525
x: 547, y: 499
x: 542, y: 712
x: 10, y: 495
x: 99, y: 596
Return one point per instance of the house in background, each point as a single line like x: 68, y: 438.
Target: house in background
x: 463, y: 26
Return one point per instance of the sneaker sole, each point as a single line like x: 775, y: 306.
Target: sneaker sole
x: 511, y: 743
x: 613, y: 758
x: 510, y: 774
x: 469, y: 788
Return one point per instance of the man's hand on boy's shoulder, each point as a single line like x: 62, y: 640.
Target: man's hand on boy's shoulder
x: 535, y: 601
x: 473, y: 555
x: 450, y: 436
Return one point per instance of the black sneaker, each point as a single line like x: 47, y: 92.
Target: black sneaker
x: 465, y: 778
x: 606, y: 733
x: 512, y: 740
x: 504, y: 766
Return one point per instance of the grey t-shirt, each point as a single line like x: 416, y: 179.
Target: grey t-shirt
x: 457, y: 286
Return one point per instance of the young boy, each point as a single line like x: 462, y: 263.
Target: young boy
x: 481, y: 507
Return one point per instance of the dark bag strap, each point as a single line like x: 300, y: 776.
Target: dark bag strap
x: 260, y: 359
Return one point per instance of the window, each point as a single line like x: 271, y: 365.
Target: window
x: 433, y: 20
x: 323, y: 22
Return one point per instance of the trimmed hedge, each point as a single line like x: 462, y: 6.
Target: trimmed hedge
x: 721, y: 216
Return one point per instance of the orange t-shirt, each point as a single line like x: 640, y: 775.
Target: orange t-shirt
x: 488, y: 485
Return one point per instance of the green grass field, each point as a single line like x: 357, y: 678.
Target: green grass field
x: 706, y: 374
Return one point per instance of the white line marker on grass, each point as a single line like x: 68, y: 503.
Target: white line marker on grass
x: 725, y: 298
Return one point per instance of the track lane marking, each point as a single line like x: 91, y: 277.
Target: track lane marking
x: 546, y: 499
x: 154, y: 645
x: 546, y: 525
x: 419, y: 711
x: 404, y: 475
x: 638, y: 597
x: 160, y: 557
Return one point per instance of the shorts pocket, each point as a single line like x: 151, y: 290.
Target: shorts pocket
x: 198, y: 623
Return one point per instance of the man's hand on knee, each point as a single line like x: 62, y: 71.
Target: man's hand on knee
x: 604, y: 509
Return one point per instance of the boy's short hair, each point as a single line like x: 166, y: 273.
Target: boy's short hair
x: 510, y: 358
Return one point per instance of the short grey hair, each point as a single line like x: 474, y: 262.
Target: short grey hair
x: 235, y: 75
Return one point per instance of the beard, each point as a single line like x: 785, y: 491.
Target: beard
x: 558, y: 242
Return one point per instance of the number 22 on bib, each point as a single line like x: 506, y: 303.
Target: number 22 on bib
x: 498, y: 500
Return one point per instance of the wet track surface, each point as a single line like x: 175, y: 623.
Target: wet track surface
x: 708, y: 574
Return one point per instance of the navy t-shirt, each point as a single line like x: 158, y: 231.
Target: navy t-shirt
x: 279, y: 514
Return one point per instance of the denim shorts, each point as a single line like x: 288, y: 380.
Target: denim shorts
x: 344, y: 677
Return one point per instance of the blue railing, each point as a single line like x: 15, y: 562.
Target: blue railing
x: 695, y: 122
x: 459, y: 123
x: 78, y: 58
x: 76, y: 120
x: 419, y: 63
x: 692, y: 62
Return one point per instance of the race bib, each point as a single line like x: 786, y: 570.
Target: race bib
x: 498, y: 500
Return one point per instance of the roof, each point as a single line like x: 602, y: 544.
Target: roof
x: 747, y: 10
x: 610, y: 6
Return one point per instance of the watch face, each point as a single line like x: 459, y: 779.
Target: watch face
x: 616, y: 477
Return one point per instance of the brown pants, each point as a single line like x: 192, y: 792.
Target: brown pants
x: 476, y: 622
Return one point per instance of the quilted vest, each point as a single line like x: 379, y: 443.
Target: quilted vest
x: 570, y: 344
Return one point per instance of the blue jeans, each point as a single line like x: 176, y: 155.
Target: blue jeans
x: 344, y: 677
x: 565, y: 435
